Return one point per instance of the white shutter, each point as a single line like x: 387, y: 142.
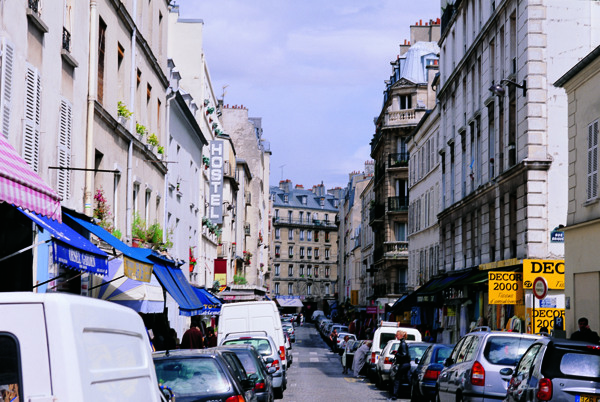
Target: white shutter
x: 6, y: 75
x: 64, y: 148
x: 31, y: 124
x: 592, y: 162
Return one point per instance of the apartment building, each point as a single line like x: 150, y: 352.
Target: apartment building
x: 305, y: 244
x: 407, y: 97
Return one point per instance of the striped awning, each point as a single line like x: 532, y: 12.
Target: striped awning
x: 22, y: 187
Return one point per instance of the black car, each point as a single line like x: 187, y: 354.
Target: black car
x: 203, y: 375
x: 425, y: 375
x: 256, y: 370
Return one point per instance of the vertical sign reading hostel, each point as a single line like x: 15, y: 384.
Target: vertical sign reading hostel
x: 215, y: 193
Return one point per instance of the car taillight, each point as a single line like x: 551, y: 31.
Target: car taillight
x: 236, y: 398
x: 545, y: 391
x: 274, y: 364
x: 373, y: 358
x: 477, y: 374
x: 387, y: 360
x: 282, y: 353
x: 260, y: 386
x: 431, y: 374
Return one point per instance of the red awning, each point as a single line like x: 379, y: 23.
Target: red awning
x: 22, y: 187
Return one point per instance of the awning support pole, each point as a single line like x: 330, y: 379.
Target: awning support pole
x: 70, y: 279
x: 24, y: 249
x: 105, y: 283
x: 50, y: 280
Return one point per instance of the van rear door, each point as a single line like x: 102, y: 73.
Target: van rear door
x: 24, y: 338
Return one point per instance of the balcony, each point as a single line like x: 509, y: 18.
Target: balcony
x: 390, y: 288
x: 403, y: 117
x: 396, y: 249
x: 66, y: 40
x: 398, y: 160
x: 222, y: 250
x: 297, y: 222
x: 398, y: 204
x: 376, y: 212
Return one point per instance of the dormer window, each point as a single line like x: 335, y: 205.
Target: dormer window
x: 286, y: 198
x: 304, y: 200
x: 322, y: 201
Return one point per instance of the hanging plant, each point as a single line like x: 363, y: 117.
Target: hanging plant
x: 206, y: 162
x: 215, y: 125
x: 210, y: 110
x: 206, y: 102
x: 192, y: 260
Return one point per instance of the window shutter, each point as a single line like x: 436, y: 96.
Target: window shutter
x: 6, y: 63
x: 64, y: 149
x: 31, y: 126
x: 592, y: 173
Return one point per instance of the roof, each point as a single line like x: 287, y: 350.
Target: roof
x: 587, y: 60
x: 295, y: 199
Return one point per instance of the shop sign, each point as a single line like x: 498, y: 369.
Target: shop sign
x: 371, y: 309
x: 137, y: 270
x: 544, y: 318
x: 505, y: 287
x: 551, y: 270
x: 215, y: 185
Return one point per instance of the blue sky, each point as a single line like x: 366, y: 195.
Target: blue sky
x: 314, y: 71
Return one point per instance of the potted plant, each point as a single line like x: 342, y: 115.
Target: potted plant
x: 210, y: 110
x: 123, y: 113
x: 161, y: 151
x: 138, y: 230
x: 140, y: 129
x: 206, y: 162
x: 192, y: 260
x: 152, y: 141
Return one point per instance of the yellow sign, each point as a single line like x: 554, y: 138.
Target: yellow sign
x: 354, y: 297
x: 552, y: 270
x: 222, y: 278
x: 505, y: 287
x: 544, y: 318
x: 137, y: 270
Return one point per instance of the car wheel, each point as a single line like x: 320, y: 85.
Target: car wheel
x: 378, y: 381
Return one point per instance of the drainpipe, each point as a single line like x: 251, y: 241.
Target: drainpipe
x: 133, y: 80
x: 170, y: 96
x: 92, y: 95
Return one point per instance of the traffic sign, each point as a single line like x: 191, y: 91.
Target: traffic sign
x: 540, y: 287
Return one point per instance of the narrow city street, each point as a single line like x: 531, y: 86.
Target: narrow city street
x: 316, y: 374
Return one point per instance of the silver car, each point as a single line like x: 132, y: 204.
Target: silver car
x: 558, y: 370
x: 481, y: 364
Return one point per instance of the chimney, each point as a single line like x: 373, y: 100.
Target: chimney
x: 285, y: 185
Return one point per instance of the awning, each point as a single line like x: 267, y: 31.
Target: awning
x: 439, y: 284
x: 22, y: 187
x: 143, y: 297
x: 178, y: 287
x: 211, y: 305
x: 69, y: 247
x: 289, y: 301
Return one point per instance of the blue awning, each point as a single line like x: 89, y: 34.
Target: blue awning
x: 211, y: 305
x: 138, y: 254
x: 70, y: 248
x: 178, y: 287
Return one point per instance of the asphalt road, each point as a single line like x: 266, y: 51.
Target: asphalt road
x: 316, y: 374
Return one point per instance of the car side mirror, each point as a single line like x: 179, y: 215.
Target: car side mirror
x: 271, y: 370
x: 448, y: 362
x: 416, y: 360
x: 269, y: 360
x: 253, y: 377
x: 248, y: 384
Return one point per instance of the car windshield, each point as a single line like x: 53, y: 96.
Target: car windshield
x: 262, y: 346
x: 192, y: 376
x: 506, y: 350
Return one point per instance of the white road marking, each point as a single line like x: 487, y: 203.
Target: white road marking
x: 313, y: 353
x: 314, y: 359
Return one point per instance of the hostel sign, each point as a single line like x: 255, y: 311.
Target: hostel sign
x: 505, y: 287
x: 215, y: 185
x: 551, y: 270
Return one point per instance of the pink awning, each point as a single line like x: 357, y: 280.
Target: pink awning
x: 22, y: 187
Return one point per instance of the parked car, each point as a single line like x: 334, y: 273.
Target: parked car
x: 558, y: 370
x: 288, y: 350
x: 256, y: 369
x: 480, y: 365
x: 289, y: 328
x: 267, y: 348
x: 340, y: 340
x: 382, y: 335
x: 424, y: 376
x: 316, y: 314
x: 384, y: 363
x: 202, y: 374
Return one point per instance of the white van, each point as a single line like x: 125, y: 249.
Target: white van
x: 63, y: 347
x: 383, y: 334
x: 252, y: 316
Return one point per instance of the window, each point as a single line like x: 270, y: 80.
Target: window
x: 64, y: 149
x: 304, y: 200
x: 301, y: 216
x: 327, y: 289
x: 309, y: 289
x: 6, y: 74
x: 148, y: 93
x: 277, y: 288
x: 136, y: 193
x: 277, y: 270
x: 277, y: 233
x: 327, y: 269
x: 31, y: 126
x: 301, y: 270
x: 301, y: 252
x: 309, y: 252
x: 316, y: 252
x: 10, y: 369
x: 309, y: 270
x: 101, y: 50
x: 592, y: 161
x: 326, y: 253
x: 277, y: 251
x: 290, y: 214
x: 327, y: 237
x: 301, y: 233
x: 147, y: 206
x: 291, y: 270
x: 400, y: 231
x: 326, y: 218
x: 316, y: 235
x: 316, y: 272
x: 291, y: 251
x: 405, y: 102
x: 291, y: 234
x: 276, y: 214
x: 309, y: 235
x: 290, y: 288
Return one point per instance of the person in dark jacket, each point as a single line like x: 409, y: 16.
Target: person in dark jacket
x: 402, y: 360
x: 193, y: 337
x: 584, y: 333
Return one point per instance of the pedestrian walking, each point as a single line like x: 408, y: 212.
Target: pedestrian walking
x: 584, y: 333
x: 401, y: 363
x: 360, y: 358
x: 346, y: 346
x: 333, y: 339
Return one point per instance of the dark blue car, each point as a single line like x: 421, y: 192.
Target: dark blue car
x: 424, y: 377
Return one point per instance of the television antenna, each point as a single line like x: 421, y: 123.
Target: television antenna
x: 281, y: 167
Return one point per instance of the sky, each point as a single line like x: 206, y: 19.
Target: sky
x: 314, y: 71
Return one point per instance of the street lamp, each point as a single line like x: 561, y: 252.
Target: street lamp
x: 498, y: 89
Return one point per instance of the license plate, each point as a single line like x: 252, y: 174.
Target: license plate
x: 587, y: 398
